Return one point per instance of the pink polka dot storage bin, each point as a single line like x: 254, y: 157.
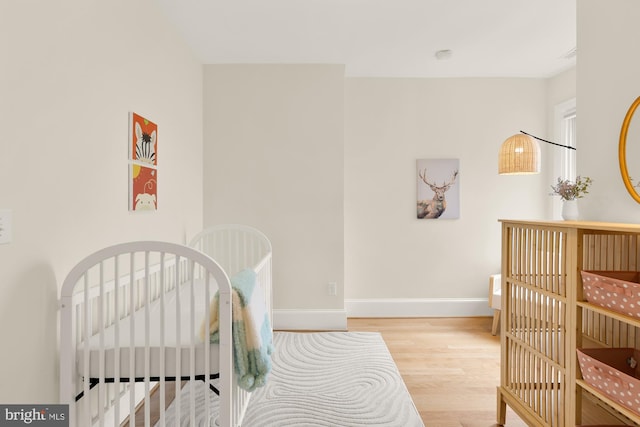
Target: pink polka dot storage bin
x: 616, y: 290
x: 614, y: 372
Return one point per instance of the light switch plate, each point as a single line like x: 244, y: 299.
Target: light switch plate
x: 5, y: 226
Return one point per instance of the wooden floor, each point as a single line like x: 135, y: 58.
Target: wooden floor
x: 451, y: 367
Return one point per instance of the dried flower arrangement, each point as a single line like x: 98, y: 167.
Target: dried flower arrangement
x: 568, y: 190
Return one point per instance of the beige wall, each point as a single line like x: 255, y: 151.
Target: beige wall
x: 607, y: 81
x: 274, y: 159
x: 70, y: 72
x: 392, y: 122
x: 276, y: 137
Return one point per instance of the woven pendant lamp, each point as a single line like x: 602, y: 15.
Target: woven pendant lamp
x: 519, y: 155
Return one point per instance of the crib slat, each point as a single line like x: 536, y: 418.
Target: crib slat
x: 132, y: 330
x: 207, y: 347
x: 116, y: 344
x: 86, y: 323
x: 226, y: 361
x: 161, y: 321
x: 177, y: 349
x: 147, y: 348
x: 192, y: 348
x: 100, y: 320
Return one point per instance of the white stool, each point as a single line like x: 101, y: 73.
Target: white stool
x: 495, y: 299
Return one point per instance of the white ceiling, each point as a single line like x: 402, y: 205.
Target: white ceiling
x: 384, y: 38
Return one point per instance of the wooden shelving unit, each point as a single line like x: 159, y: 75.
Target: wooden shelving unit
x: 545, y: 318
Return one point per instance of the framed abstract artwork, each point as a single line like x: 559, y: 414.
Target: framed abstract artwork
x: 438, y: 188
x: 143, y: 164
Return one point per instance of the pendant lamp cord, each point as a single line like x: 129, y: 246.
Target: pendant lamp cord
x: 548, y: 142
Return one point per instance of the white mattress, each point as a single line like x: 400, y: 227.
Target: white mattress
x: 171, y: 349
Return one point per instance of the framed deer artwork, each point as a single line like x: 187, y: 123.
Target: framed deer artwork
x: 438, y: 188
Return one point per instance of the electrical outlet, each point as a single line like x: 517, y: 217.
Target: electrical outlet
x: 5, y: 226
x: 332, y: 289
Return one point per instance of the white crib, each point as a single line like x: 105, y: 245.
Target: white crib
x: 129, y: 324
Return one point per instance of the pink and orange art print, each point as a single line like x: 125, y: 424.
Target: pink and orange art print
x: 143, y: 140
x: 144, y: 188
x: 143, y: 164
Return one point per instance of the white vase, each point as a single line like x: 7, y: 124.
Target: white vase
x: 570, y: 210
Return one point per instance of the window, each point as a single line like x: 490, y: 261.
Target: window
x: 564, y: 159
x: 568, y: 137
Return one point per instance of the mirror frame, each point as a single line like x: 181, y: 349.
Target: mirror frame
x: 622, y: 150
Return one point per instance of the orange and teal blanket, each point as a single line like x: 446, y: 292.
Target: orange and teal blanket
x: 251, y: 332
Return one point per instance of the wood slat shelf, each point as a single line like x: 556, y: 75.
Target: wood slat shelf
x: 616, y: 406
x: 545, y: 317
x: 609, y: 313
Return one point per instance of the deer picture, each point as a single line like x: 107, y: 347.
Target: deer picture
x: 435, y: 207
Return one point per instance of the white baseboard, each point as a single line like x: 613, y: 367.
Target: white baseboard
x: 418, y: 307
x: 336, y: 320
x: 310, y: 320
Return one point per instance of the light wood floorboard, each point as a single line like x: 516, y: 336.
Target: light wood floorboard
x: 451, y: 367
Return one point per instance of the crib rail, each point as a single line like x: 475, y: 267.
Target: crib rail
x: 236, y: 246
x: 233, y: 246
x: 128, y: 290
